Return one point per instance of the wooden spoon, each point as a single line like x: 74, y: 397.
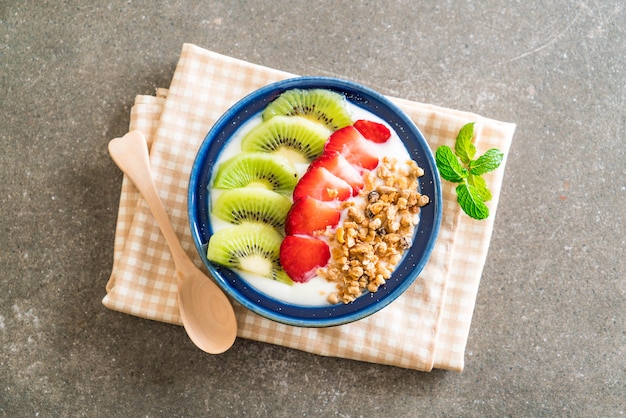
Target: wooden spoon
x: 207, y: 314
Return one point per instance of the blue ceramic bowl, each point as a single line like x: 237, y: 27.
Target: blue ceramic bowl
x: 331, y: 315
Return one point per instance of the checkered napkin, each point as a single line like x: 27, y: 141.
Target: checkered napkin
x: 427, y: 327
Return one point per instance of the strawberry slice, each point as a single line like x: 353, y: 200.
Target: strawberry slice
x: 353, y: 146
x: 339, y: 166
x: 308, y: 215
x: 374, y: 131
x: 301, y: 255
x: 321, y: 184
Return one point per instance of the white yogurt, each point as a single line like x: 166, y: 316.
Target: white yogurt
x: 314, y: 292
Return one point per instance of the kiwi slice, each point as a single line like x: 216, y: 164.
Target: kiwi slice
x: 251, y: 247
x: 248, y: 204
x: 257, y: 169
x: 321, y: 105
x: 298, y: 139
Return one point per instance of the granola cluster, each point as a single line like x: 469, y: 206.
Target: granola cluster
x: 377, y: 230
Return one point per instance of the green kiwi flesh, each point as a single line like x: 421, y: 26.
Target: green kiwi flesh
x: 251, y: 247
x: 321, y: 105
x: 248, y: 204
x: 297, y: 138
x: 257, y: 169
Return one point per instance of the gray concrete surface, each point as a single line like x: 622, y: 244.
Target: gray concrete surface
x: 548, y: 334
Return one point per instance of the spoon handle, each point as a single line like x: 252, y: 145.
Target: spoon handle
x: 130, y: 153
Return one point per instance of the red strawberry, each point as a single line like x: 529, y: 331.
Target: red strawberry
x: 308, y: 215
x: 321, y: 184
x: 353, y: 146
x: 374, y: 131
x: 301, y: 255
x: 339, y: 166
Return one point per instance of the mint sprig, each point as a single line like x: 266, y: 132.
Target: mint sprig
x: 460, y: 166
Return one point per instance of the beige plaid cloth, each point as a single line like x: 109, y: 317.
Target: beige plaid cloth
x: 427, y: 327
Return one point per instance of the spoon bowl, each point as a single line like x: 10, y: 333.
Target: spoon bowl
x: 206, y: 312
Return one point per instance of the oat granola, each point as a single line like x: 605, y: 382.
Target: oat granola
x: 376, y: 232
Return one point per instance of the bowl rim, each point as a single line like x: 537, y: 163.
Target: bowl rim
x: 233, y: 285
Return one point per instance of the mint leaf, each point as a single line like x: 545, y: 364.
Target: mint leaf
x: 481, y: 186
x: 487, y: 162
x: 449, y: 166
x: 458, y: 166
x: 470, y: 201
x: 463, y: 146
